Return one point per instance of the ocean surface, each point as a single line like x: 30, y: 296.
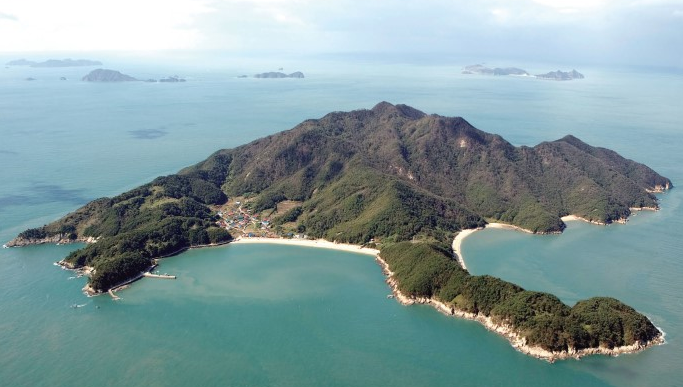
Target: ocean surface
x: 263, y: 315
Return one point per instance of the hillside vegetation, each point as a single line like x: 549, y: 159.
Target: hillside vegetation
x: 426, y: 270
x: 381, y: 176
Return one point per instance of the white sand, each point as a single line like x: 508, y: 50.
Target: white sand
x: 508, y: 227
x: 310, y: 243
x: 570, y: 218
x: 457, y: 244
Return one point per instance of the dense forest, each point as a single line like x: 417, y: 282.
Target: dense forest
x: 380, y: 176
x: 427, y: 270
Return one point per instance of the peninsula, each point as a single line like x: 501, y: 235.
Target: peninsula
x: 393, y: 179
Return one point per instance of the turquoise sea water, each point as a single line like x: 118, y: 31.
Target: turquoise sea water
x: 287, y: 316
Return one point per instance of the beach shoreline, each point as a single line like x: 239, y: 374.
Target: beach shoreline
x: 320, y: 243
x: 457, y: 244
x: 460, y: 237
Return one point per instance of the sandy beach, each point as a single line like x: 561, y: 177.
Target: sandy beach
x: 321, y: 243
x: 457, y: 244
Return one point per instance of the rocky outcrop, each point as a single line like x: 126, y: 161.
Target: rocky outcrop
x: 58, y: 239
x: 105, y: 75
x: 659, y: 188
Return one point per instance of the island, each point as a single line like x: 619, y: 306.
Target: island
x: 68, y: 62
x: 553, y: 75
x: 561, y: 75
x: 400, y: 181
x: 481, y: 69
x: 20, y: 62
x: 105, y: 75
x: 273, y: 74
x: 172, y: 79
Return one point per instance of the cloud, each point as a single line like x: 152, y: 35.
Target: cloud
x: 6, y: 16
x: 87, y: 25
x: 577, y: 30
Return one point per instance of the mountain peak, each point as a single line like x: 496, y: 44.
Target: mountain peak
x: 386, y: 108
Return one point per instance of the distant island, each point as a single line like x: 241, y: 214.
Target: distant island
x: 106, y: 75
x: 172, y: 79
x: 561, y: 75
x: 273, y: 74
x: 480, y: 69
x: 553, y: 75
x: 55, y: 63
x: 398, y: 180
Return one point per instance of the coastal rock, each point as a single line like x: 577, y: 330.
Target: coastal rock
x: 561, y: 75
x: 58, y: 239
x: 105, y: 75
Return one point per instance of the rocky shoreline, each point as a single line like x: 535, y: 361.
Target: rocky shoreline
x: 518, y: 342
x: 59, y: 239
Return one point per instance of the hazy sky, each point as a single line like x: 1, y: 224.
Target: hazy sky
x: 592, y: 31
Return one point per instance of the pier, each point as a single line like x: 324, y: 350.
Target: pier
x: 164, y: 276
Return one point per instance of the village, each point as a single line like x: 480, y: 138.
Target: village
x: 238, y: 219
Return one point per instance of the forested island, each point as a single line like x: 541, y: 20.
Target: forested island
x: 107, y: 75
x: 399, y: 180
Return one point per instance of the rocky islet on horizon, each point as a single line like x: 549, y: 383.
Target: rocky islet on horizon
x: 552, y: 75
